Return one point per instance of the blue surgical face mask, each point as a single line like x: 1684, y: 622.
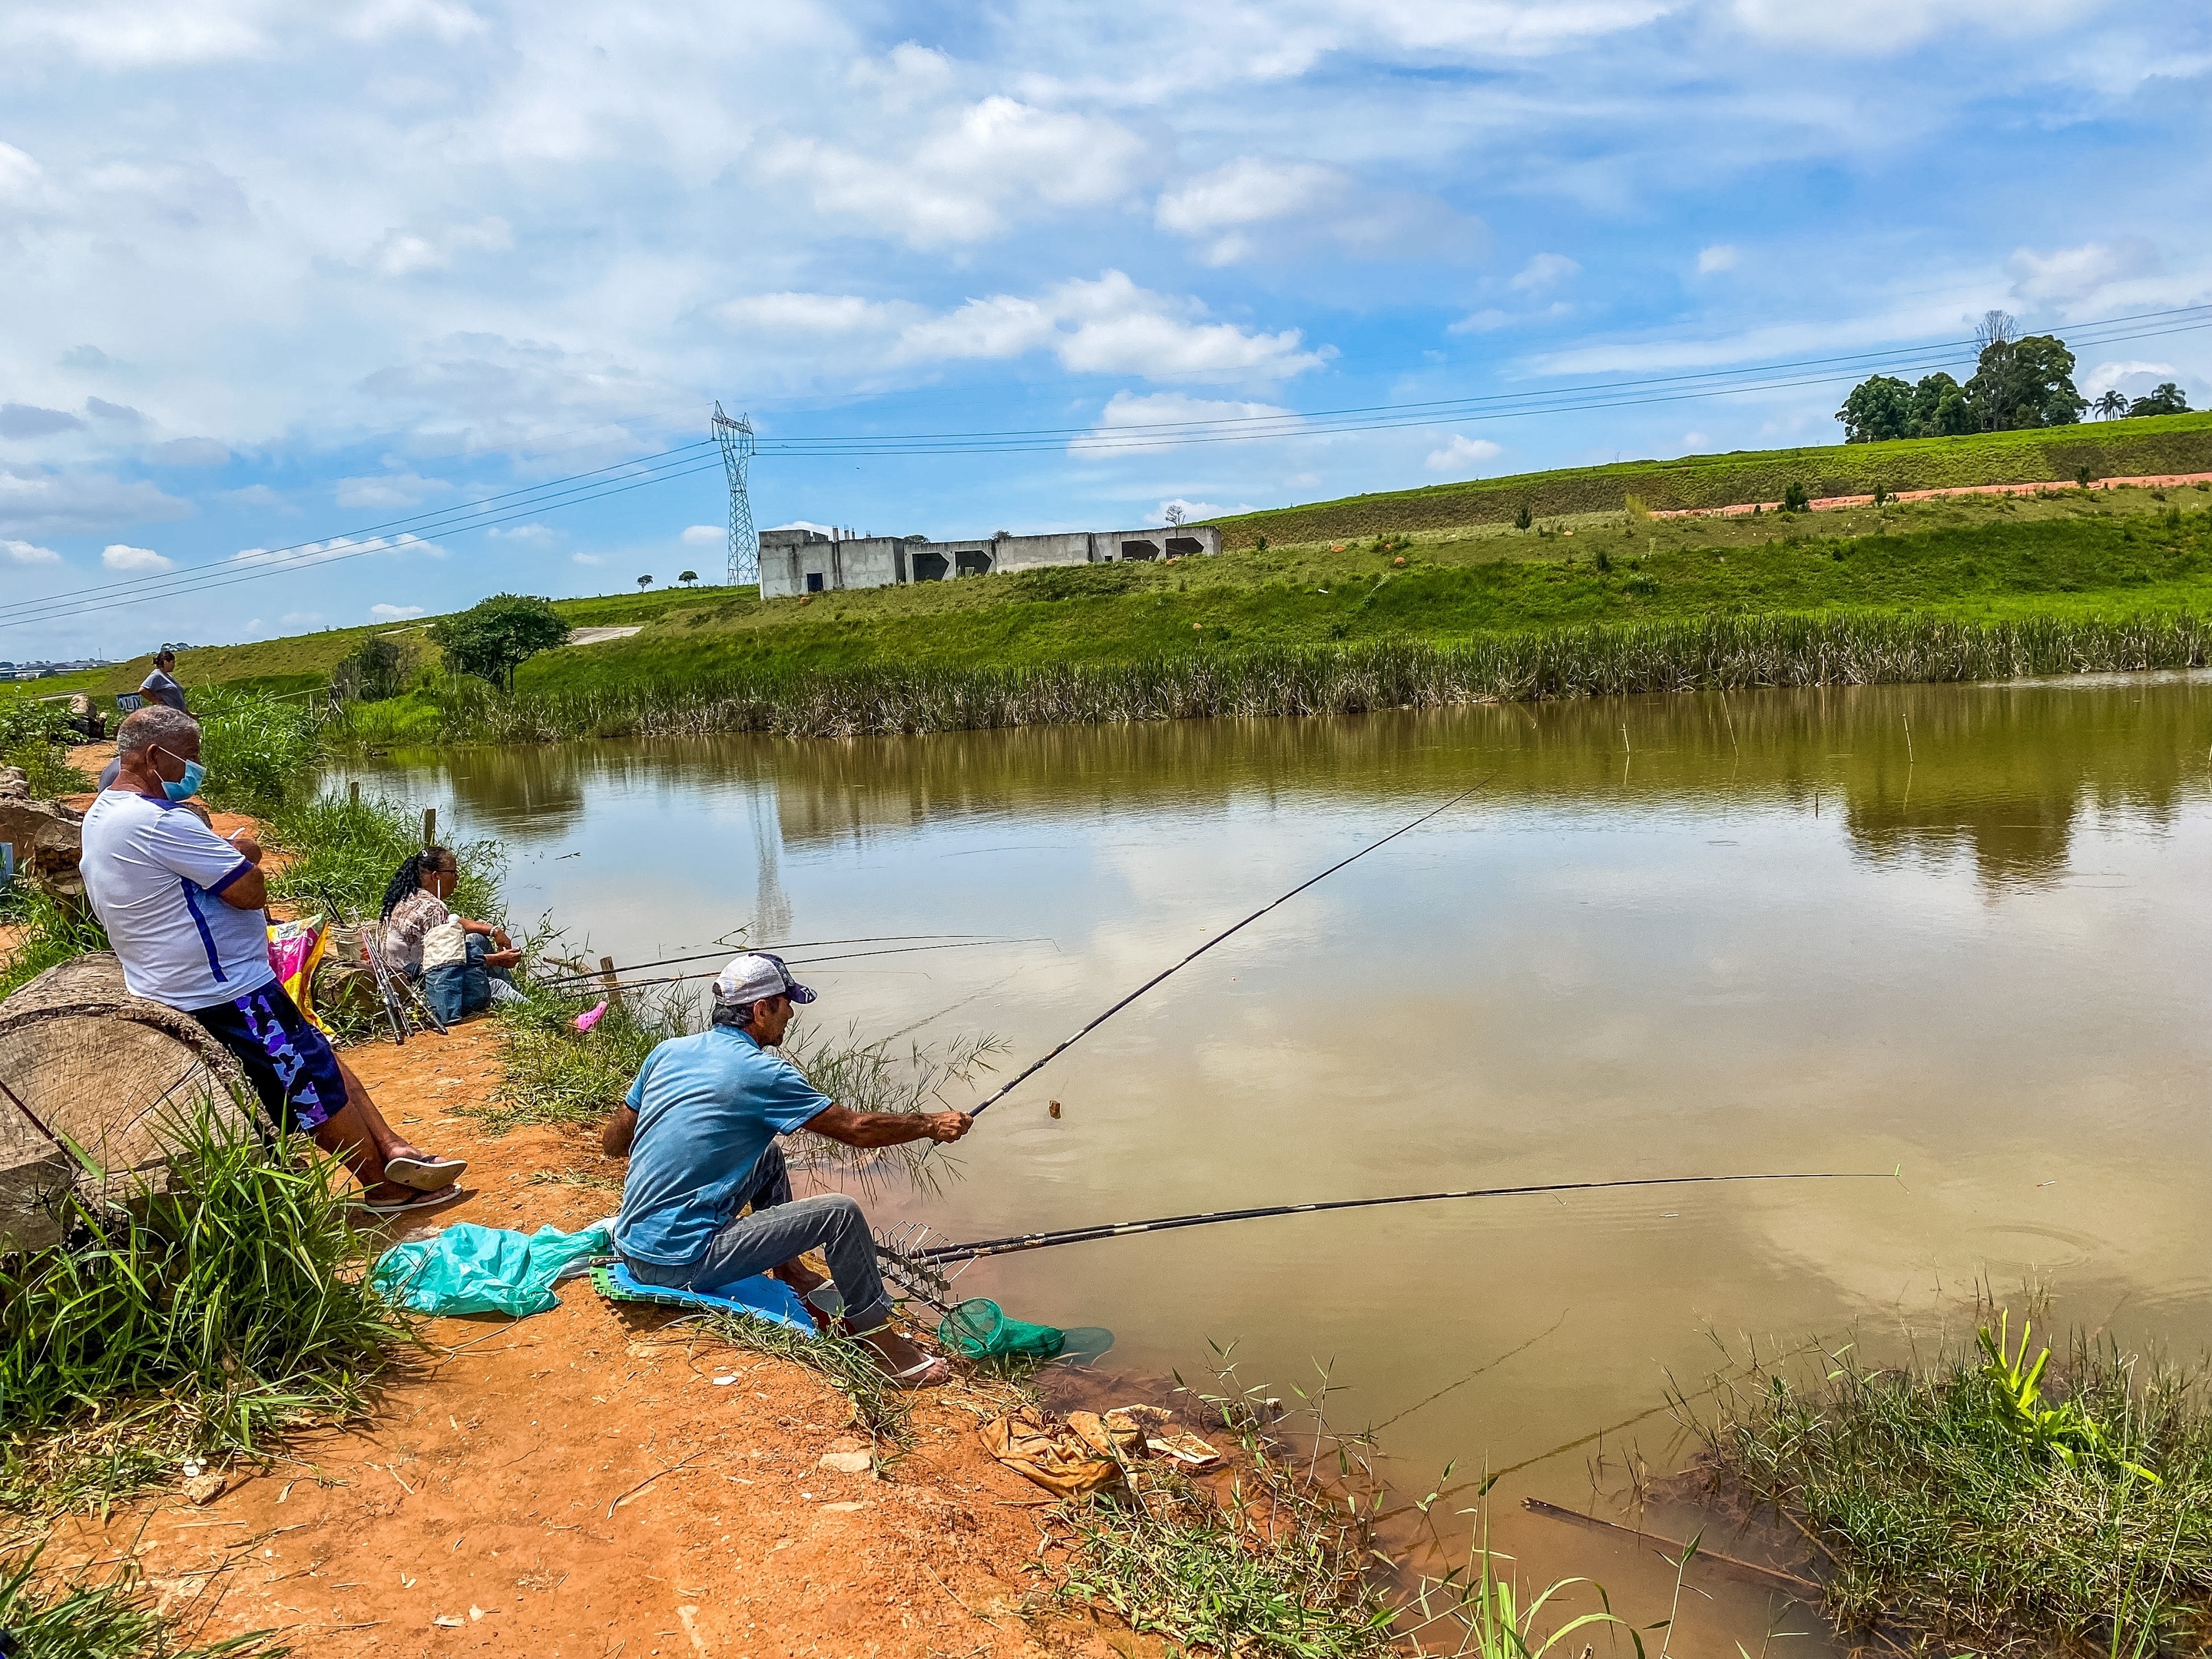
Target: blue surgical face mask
x: 185, y: 787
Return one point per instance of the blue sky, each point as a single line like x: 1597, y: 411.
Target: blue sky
x: 278, y: 275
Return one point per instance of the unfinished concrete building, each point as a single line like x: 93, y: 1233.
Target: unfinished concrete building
x: 793, y: 562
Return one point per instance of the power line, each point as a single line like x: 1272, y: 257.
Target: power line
x: 413, y: 524
x: 681, y: 462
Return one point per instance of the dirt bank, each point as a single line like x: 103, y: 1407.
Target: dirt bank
x: 595, y: 1481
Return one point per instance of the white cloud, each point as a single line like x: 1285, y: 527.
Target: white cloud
x: 1694, y: 441
x: 586, y: 558
x: 2069, y: 274
x: 1462, y: 454
x: 1108, y: 327
x: 1873, y: 27
x: 19, y: 176
x: 394, y: 612
x: 806, y: 524
x: 1193, y: 511
x: 1721, y: 255
x: 17, y: 552
x: 534, y: 533
x: 338, y: 547
x: 302, y: 619
x: 1262, y: 204
x: 1544, y: 272
x: 190, y: 452
x: 121, y: 556
x: 1481, y: 322
x: 402, y: 253
x: 387, y: 489
x: 1141, y: 423
x: 703, y: 535
x: 2107, y: 376
x: 37, y: 501
x: 1490, y: 319
x: 967, y: 175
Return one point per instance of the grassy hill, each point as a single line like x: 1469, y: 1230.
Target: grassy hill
x: 1968, y: 559
x: 2153, y: 446
x: 1429, y: 566
x: 299, y: 662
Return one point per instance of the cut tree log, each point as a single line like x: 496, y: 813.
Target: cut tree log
x: 106, y: 1078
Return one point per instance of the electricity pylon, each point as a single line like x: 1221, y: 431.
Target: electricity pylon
x: 736, y: 438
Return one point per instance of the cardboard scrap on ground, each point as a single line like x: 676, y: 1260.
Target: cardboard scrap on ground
x: 1087, y: 1452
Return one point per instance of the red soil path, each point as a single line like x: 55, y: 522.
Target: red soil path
x: 579, y: 1485
x: 1832, y: 503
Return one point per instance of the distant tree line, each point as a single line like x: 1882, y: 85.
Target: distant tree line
x: 2018, y: 381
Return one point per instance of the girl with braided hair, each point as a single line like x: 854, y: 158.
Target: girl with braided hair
x: 454, y: 956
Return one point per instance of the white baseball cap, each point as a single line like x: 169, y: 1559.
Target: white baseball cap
x: 757, y: 976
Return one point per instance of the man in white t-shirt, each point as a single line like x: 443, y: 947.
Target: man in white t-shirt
x: 183, y: 910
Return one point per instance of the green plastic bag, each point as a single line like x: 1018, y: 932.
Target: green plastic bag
x: 979, y: 1329
x: 470, y: 1269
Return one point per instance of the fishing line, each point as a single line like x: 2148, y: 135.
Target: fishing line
x: 800, y: 962
x: 734, y: 950
x: 1069, y: 1042
x: 979, y: 1249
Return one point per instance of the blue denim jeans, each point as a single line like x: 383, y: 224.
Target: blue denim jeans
x: 779, y: 1229
x: 460, y: 988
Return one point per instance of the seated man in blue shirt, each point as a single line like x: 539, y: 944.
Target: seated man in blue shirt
x: 699, y: 1129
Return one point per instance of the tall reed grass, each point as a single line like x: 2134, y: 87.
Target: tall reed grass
x: 260, y: 751
x: 197, y: 1323
x: 1717, y: 653
x: 1937, y: 1516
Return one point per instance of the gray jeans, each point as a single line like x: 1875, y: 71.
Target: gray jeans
x: 779, y: 1229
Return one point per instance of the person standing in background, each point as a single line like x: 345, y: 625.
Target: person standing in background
x: 160, y: 686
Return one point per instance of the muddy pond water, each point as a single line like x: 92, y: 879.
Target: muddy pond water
x: 1959, y: 929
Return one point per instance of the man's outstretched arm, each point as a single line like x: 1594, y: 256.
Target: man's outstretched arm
x: 887, y: 1128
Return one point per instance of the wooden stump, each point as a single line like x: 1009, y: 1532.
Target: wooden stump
x: 98, y: 1080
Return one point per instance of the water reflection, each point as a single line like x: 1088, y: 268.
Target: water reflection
x: 2001, y: 774
x: 1954, y: 928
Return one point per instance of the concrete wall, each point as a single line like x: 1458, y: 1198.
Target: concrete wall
x: 794, y: 562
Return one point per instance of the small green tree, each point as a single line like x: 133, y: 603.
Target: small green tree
x: 2167, y: 400
x: 1878, y: 408
x: 494, y: 636
x: 2113, y: 406
x: 644, y: 582
x: 689, y: 577
x: 1939, y: 407
x: 1796, y: 498
x: 1523, y: 518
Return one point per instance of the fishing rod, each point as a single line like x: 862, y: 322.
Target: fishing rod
x: 799, y: 962
x: 727, y: 951
x: 921, y: 1269
x: 1031, y: 1070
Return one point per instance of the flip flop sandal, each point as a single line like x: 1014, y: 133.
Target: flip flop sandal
x: 921, y: 1376
x: 420, y: 1201
x: 426, y: 1175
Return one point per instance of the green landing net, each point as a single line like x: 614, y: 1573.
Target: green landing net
x: 979, y: 1329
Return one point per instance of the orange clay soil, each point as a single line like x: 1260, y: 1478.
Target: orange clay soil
x: 586, y: 1483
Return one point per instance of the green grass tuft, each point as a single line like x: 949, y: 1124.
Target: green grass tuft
x: 77, y: 1616
x: 1950, y: 1496
x: 197, y: 1323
